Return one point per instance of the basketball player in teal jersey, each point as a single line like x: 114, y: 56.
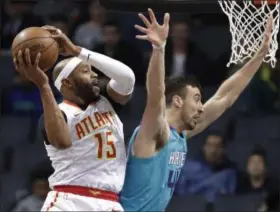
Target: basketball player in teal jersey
x: 157, y: 149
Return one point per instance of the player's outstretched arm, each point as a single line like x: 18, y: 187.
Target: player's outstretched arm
x: 122, y: 77
x: 55, y: 124
x: 153, y: 125
x: 121, y: 85
x: 230, y: 90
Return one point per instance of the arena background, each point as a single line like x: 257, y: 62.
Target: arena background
x: 250, y: 128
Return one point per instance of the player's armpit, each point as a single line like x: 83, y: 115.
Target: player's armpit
x: 116, y: 97
x: 153, y: 131
x: 42, y: 129
x: 212, y: 110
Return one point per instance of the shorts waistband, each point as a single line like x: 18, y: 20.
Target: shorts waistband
x: 88, y: 192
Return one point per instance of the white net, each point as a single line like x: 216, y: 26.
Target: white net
x: 247, y: 24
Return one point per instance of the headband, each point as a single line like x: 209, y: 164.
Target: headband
x: 66, y: 71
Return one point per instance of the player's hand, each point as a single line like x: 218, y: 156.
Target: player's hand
x: 155, y: 33
x: 66, y: 47
x: 31, y: 71
x: 267, y: 38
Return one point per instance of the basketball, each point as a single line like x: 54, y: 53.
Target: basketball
x: 38, y: 40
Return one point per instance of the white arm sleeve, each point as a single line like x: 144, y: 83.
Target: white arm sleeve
x: 122, y: 77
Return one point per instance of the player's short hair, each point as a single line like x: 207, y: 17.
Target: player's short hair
x: 178, y: 86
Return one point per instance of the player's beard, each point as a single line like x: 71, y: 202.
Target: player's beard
x: 188, y: 122
x: 87, y: 92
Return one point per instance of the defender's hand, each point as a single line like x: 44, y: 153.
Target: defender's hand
x: 66, y: 47
x: 31, y: 71
x: 155, y: 33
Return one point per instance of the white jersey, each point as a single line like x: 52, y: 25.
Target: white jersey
x: 97, y: 157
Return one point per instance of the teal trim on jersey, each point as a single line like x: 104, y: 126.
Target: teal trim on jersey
x: 150, y: 182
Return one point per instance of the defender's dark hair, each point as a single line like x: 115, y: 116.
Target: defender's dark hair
x: 177, y: 86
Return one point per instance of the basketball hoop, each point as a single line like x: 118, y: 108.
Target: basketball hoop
x: 247, y: 23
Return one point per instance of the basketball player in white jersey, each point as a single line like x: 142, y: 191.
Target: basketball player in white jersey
x: 83, y: 135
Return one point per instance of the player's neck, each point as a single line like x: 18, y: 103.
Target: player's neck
x: 78, y: 102
x: 174, y: 120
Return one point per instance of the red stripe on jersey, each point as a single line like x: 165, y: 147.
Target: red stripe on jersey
x: 88, y: 192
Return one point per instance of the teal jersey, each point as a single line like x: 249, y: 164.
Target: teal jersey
x: 150, y: 182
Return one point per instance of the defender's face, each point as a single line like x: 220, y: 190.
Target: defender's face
x: 192, y: 107
x: 85, y: 82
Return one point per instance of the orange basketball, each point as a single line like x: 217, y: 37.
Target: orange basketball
x: 37, y: 40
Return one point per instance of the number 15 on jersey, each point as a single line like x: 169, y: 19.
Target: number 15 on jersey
x: 105, y: 146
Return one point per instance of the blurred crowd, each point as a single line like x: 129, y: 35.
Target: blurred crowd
x: 198, y: 45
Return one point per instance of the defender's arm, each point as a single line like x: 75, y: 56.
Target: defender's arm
x: 153, y: 125
x: 231, y: 89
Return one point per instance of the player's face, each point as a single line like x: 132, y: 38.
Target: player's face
x: 192, y: 107
x: 255, y: 166
x: 85, y: 83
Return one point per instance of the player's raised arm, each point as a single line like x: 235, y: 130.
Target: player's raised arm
x: 153, y: 124
x: 122, y: 77
x: 55, y: 124
x: 230, y: 90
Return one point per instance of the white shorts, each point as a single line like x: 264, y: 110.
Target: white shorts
x: 60, y: 201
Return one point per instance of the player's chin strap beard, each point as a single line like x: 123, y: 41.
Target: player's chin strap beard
x: 84, y: 94
x: 66, y: 71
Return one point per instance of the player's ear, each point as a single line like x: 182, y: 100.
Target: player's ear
x: 177, y: 101
x: 66, y: 83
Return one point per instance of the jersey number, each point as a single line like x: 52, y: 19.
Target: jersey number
x: 105, y: 146
x: 172, y: 179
